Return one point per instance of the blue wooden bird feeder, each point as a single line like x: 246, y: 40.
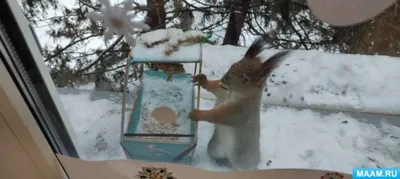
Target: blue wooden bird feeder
x: 143, y: 137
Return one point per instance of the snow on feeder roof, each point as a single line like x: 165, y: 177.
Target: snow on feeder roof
x: 168, y: 45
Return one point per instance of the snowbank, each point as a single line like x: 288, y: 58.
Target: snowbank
x: 290, y: 138
x: 321, y: 80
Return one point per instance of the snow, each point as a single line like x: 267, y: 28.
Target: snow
x: 320, y: 80
x: 169, y: 37
x: 176, y: 95
x: 97, y: 123
x: 186, y: 54
x: 291, y: 137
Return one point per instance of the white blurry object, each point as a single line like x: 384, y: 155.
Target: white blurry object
x: 347, y: 12
x: 118, y: 20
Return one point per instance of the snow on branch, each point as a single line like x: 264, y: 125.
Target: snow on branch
x: 101, y: 55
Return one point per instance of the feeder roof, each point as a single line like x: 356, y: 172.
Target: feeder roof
x: 185, y: 54
x: 152, y: 46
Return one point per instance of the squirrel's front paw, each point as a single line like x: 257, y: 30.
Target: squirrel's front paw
x: 195, y: 115
x: 200, y: 79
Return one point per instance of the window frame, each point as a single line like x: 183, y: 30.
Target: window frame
x: 22, y: 57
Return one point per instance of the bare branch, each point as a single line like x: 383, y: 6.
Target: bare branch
x: 286, y: 16
x: 138, y: 6
x: 305, y: 32
x: 88, y: 5
x: 99, y: 58
x: 69, y: 45
x: 99, y: 72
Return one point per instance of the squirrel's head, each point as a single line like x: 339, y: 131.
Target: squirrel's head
x: 249, y: 74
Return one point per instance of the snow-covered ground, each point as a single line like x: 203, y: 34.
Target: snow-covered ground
x: 291, y: 138
x: 312, y: 78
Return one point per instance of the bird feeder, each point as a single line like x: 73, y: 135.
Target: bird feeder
x: 158, y: 128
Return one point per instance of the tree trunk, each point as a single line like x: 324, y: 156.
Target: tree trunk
x: 156, y: 14
x: 236, y: 22
x: 155, y: 18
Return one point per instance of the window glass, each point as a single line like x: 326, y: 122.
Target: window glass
x: 330, y: 103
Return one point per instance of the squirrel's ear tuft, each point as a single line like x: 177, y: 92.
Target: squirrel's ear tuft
x: 269, y: 65
x: 256, y: 47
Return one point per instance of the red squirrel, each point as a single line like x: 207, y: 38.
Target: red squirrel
x: 236, y: 115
